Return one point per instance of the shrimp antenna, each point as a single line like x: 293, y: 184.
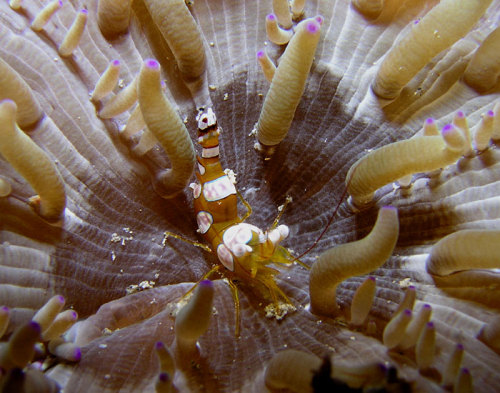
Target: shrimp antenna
x: 330, y: 220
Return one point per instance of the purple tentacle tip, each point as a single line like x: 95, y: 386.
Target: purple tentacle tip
x: 430, y: 120
x: 35, y: 326
x: 164, y: 377
x: 5, y: 309
x: 159, y: 345
x: 116, y: 62
x: 460, y: 114
x: 465, y: 370
x: 61, y: 299
x: 260, y: 54
x: 430, y: 325
x: 460, y: 347
x: 490, y: 113
x: 319, y: 19
x: 427, y: 306
x: 78, y: 354
x: 407, y: 312
x: 206, y: 284
x: 271, y: 17
x: 388, y: 208
x: 312, y: 27
x: 84, y: 11
x: 151, y: 63
x: 60, y: 3
x: 371, y: 278
x: 447, y: 128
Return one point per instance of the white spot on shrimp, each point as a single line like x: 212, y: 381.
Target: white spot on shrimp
x: 231, y: 174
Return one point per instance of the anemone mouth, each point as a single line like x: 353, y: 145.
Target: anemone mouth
x: 113, y: 232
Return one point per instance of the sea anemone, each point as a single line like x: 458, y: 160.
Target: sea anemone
x: 111, y: 235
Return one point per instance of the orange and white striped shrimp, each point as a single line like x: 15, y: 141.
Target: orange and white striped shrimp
x: 244, y: 250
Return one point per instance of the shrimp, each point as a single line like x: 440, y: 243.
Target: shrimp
x: 243, y: 250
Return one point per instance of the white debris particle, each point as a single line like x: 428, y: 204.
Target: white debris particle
x: 143, y: 285
x: 254, y: 131
x: 156, y: 276
x: 231, y: 174
x: 116, y: 238
x: 127, y: 230
x: 280, y: 311
x: 146, y: 284
x: 405, y: 283
x: 214, y: 311
x: 212, y: 44
x: 352, y: 338
x: 121, y: 83
x: 103, y: 346
x: 212, y: 87
x: 185, y: 119
x: 113, y: 256
x: 226, y: 97
x: 107, y: 332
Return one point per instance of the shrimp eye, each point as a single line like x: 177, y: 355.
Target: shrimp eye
x: 206, y: 120
x: 203, y: 124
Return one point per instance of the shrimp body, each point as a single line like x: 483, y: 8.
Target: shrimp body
x: 243, y: 249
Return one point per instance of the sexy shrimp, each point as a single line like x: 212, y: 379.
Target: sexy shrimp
x: 243, y: 250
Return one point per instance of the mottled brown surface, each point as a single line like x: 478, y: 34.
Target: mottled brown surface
x: 336, y: 122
